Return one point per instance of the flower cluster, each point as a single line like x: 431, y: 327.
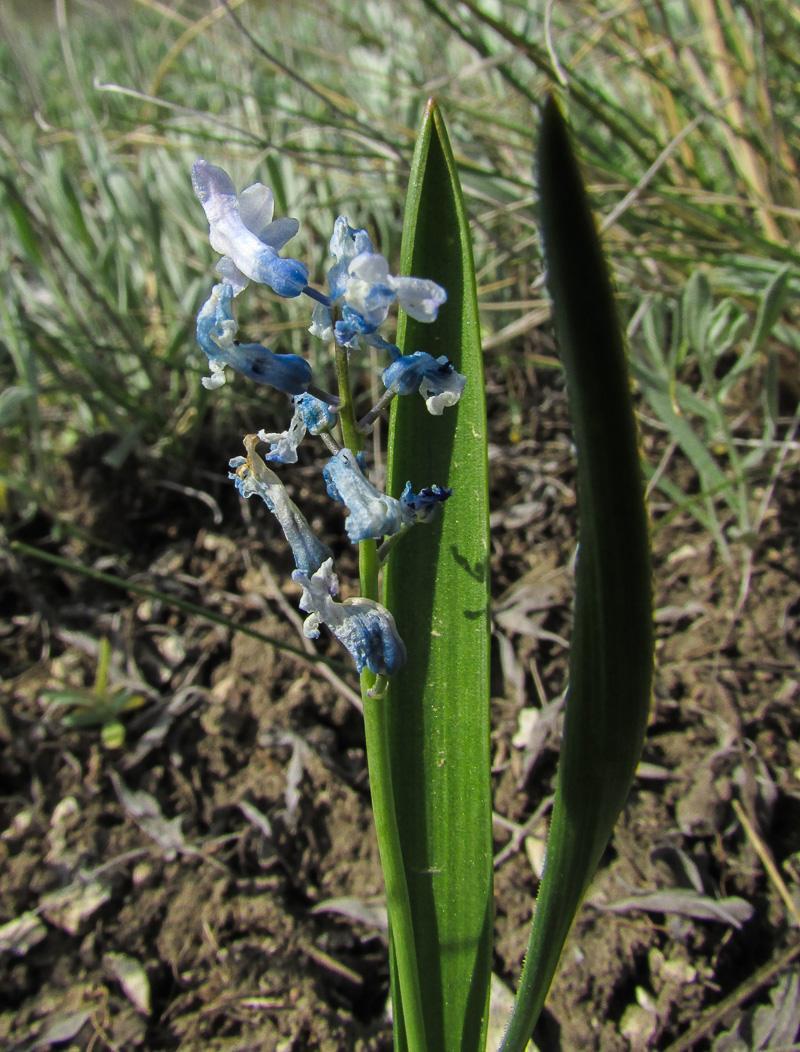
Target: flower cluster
x: 243, y: 231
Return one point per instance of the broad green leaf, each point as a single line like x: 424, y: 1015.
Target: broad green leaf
x: 437, y: 587
x: 611, y: 653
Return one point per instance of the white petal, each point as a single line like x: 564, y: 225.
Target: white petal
x: 217, y: 378
x: 256, y: 206
x: 419, y: 297
x: 215, y: 191
x: 231, y: 273
x: 370, y: 267
x: 321, y: 326
x: 285, y: 443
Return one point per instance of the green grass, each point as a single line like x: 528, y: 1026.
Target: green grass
x: 103, y: 254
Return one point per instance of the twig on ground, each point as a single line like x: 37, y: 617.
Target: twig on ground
x: 768, y: 862
x: 750, y: 986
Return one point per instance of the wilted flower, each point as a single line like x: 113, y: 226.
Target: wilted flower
x: 363, y: 626
x: 252, y: 475
x: 372, y: 513
x: 283, y: 445
x: 242, y: 229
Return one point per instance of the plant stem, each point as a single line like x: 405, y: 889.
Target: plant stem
x: 376, y: 731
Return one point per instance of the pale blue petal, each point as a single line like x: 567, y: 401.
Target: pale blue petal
x: 372, y: 513
x: 321, y: 325
x: 419, y: 297
x: 346, y: 243
x: 231, y: 274
x: 256, y: 207
x: 283, y: 445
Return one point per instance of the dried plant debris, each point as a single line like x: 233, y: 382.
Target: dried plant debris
x: 686, y: 903
x: 71, y: 906
x: 62, y: 1028
x: 132, y: 977
x: 768, y: 1028
x: 537, y: 728
x: 146, y: 813
x: 370, y: 914
x: 501, y: 1004
x: 19, y: 935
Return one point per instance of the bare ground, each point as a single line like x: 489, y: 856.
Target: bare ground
x: 196, y: 926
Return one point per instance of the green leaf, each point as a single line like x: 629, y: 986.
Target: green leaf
x: 696, y: 311
x: 770, y: 307
x: 75, y: 212
x: 28, y: 238
x: 12, y: 401
x: 437, y: 587
x: 611, y: 653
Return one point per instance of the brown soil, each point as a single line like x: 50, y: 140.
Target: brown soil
x: 258, y: 763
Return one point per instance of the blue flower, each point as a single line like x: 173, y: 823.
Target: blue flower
x: 363, y: 290
x: 363, y: 626
x: 242, y: 229
x: 372, y: 513
x: 252, y: 475
x: 317, y: 416
x: 346, y: 243
x: 216, y: 328
x: 435, y: 379
x: 310, y: 414
x: 421, y: 507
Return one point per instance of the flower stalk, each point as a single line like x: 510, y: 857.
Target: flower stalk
x: 362, y: 290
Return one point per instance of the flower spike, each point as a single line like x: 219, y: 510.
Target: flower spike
x: 362, y: 291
